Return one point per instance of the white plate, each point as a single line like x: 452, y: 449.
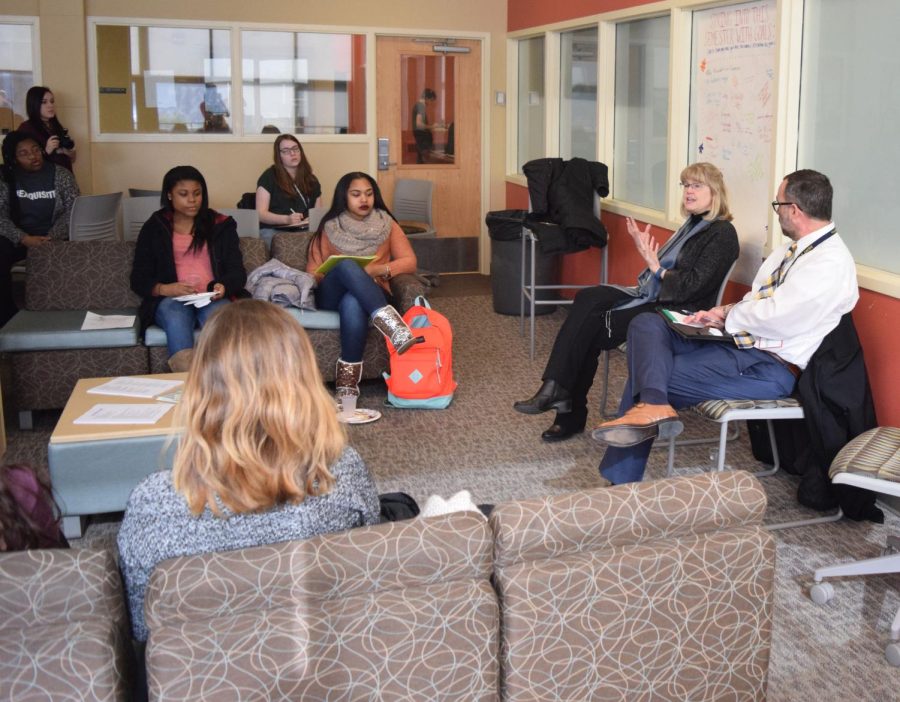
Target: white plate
x: 361, y: 416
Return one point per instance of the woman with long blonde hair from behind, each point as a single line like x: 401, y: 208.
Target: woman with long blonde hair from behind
x: 263, y: 458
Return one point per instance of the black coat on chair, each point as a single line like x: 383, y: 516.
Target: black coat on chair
x: 562, y: 203
x: 837, y: 406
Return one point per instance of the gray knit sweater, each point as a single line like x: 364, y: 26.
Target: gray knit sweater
x: 158, y: 525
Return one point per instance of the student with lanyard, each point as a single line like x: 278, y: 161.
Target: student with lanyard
x: 798, y: 296
x: 286, y: 191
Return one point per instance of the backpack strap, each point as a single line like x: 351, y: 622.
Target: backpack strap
x: 422, y: 301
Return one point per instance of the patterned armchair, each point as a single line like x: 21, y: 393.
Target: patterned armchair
x: 63, y: 631
x: 659, y: 590
x: 291, y: 250
x: 400, y: 611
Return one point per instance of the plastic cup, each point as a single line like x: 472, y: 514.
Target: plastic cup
x: 348, y: 406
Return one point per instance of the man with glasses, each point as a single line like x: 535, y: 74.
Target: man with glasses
x: 798, y: 296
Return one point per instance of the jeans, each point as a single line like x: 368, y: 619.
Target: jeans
x: 178, y: 320
x: 266, y: 234
x: 10, y: 254
x: 348, y: 289
x: 663, y: 364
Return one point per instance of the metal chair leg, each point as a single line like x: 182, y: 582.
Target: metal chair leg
x: 775, y: 457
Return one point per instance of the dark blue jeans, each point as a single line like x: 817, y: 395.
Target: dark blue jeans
x: 348, y: 289
x: 178, y: 320
x: 663, y: 364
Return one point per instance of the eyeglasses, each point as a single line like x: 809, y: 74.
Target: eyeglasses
x: 26, y: 152
x: 776, y: 205
x: 692, y: 186
x: 290, y: 151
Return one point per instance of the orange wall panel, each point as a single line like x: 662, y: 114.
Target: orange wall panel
x: 531, y: 13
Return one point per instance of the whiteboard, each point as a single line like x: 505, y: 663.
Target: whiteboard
x: 732, y: 118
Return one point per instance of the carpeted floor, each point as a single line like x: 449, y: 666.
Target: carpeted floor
x: 834, y: 652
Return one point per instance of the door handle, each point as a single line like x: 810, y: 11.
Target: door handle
x: 384, y: 162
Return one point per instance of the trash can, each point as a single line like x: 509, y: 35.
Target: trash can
x: 505, y: 230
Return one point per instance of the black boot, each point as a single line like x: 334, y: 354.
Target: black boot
x: 551, y: 396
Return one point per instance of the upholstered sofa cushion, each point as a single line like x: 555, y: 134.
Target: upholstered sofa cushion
x: 401, y: 610
x: 316, y: 319
x: 62, y: 626
x: 80, y: 275
x: 61, y: 329
x: 655, y: 590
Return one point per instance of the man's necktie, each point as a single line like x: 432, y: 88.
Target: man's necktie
x: 743, y: 339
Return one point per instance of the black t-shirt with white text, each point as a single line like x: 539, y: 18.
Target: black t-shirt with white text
x: 37, y: 195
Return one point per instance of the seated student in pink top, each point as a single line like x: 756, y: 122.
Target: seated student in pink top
x: 185, y: 248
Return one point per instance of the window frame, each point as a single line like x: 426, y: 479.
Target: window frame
x: 35, y: 23
x: 235, y: 29
x: 785, y: 141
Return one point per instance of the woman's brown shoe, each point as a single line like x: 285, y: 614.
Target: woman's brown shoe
x: 640, y: 423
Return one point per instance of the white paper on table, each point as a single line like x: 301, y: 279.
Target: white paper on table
x: 92, y: 321
x: 135, y: 387
x: 148, y: 413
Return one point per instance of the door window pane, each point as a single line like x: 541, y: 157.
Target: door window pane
x: 578, y: 94
x: 531, y: 101
x: 641, y: 112
x: 428, y: 97
x: 16, y: 74
x: 303, y: 82
x: 849, y: 110
x: 163, y: 79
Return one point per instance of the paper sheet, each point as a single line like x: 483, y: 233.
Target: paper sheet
x: 135, y: 387
x: 147, y: 413
x: 92, y: 321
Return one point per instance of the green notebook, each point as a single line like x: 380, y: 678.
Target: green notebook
x: 332, y: 261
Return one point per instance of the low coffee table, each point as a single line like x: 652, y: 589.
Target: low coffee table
x: 94, y: 468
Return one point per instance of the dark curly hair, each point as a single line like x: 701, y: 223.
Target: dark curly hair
x: 20, y: 526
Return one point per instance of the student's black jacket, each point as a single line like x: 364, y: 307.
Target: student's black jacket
x: 154, y: 260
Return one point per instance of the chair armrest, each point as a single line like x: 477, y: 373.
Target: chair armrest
x: 58, y: 586
x: 405, y: 288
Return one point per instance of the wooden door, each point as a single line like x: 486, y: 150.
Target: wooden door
x: 449, y: 153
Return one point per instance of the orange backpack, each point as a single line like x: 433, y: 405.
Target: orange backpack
x: 423, y: 376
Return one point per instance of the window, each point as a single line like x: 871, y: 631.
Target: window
x: 16, y: 72
x: 849, y: 109
x: 531, y: 101
x: 641, y: 112
x: 303, y: 83
x: 578, y: 94
x: 164, y: 79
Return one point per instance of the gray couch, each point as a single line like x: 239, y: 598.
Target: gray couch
x: 63, y: 627
x: 659, y: 590
x: 650, y: 591
x: 49, y: 353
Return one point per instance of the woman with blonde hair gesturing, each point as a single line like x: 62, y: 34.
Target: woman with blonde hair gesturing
x: 685, y: 272
x: 263, y: 458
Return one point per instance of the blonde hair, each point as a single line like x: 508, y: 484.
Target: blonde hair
x: 708, y: 174
x: 260, y: 427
